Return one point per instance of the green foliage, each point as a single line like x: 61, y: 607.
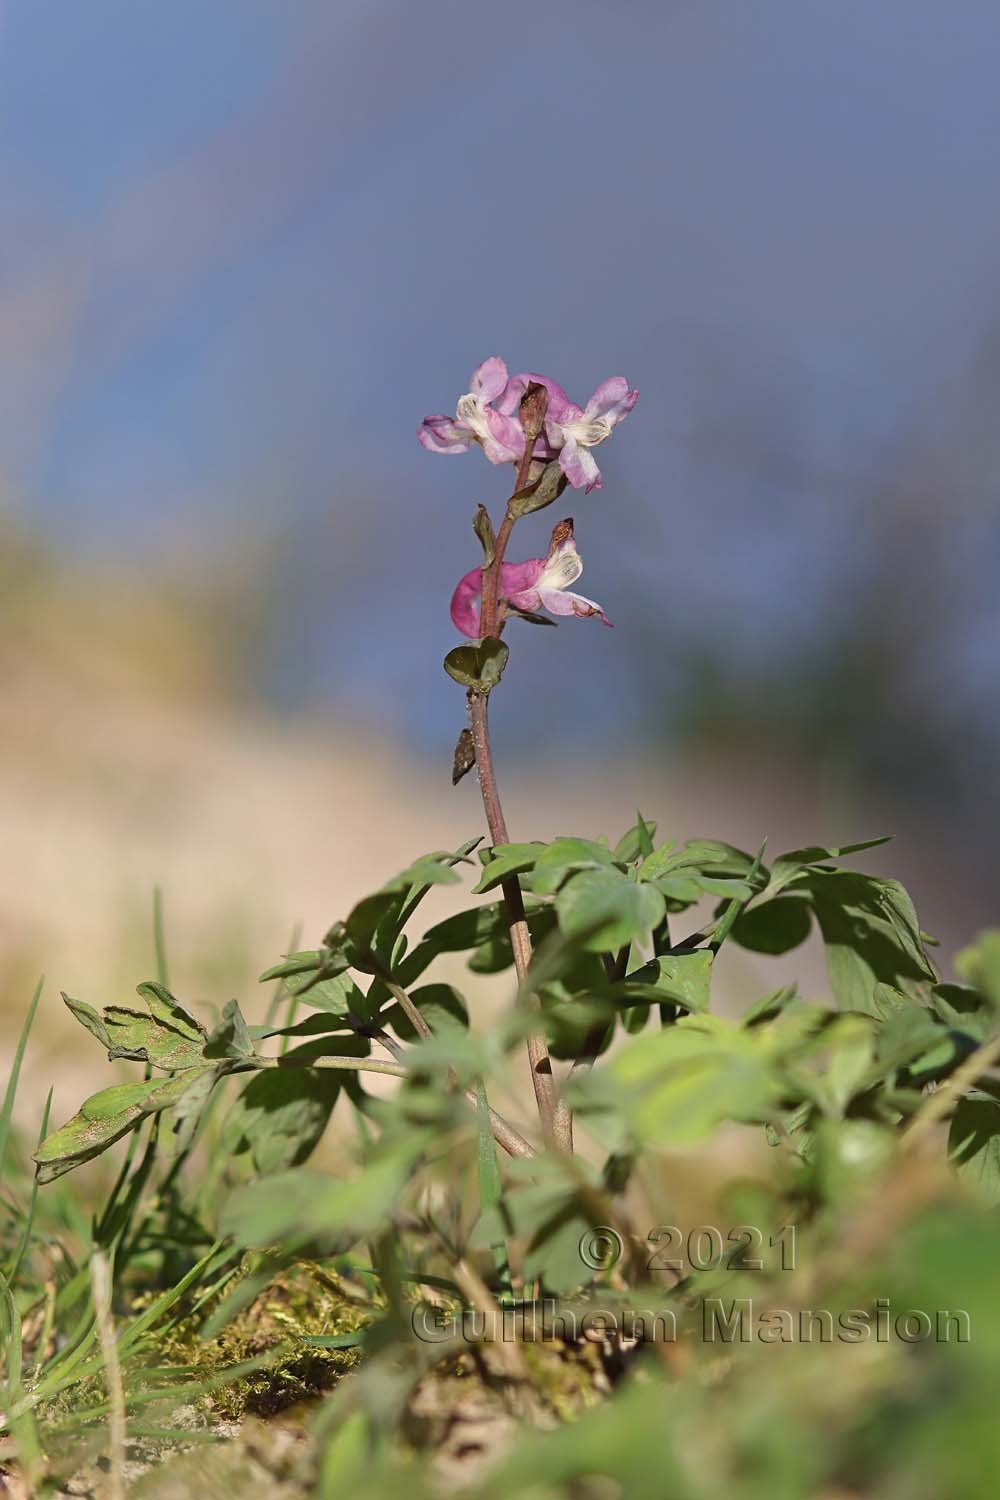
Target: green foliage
x: 980, y: 965
x: 302, y: 1207
x: 279, y: 1117
x: 602, y: 910
x: 540, y: 494
x: 417, y: 1192
x: 105, y: 1117
x: 165, y: 1035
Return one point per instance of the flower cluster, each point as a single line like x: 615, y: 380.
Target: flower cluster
x: 539, y: 583
x: 488, y: 414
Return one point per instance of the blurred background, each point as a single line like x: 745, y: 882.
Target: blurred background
x: 249, y: 245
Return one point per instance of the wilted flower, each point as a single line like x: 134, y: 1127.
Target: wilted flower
x: 539, y: 583
x: 487, y: 414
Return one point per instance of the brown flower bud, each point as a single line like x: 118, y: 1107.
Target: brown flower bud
x: 534, y: 405
x: 464, y: 758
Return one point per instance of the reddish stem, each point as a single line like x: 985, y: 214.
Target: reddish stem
x: 555, y: 1117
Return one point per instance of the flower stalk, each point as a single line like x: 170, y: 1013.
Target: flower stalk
x: 554, y: 1117
x: 529, y: 421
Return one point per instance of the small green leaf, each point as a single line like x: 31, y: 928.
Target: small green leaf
x: 871, y: 934
x: 392, y: 904
x: 529, y: 616
x: 230, y: 1038
x: 963, y: 1008
x: 483, y: 527
x: 850, y: 1040
x: 974, y: 1145
x: 554, y: 1208
x: 676, y: 1086
x: 165, y: 1036
x: 680, y: 890
x: 109, y: 1103
x: 507, y: 859
x: 105, y: 1117
x: 88, y: 1017
x: 320, y: 1024
x: 788, y: 866
x: 187, y: 1112
x: 637, y: 843
x: 540, y: 494
x: 708, y: 855
x: 774, y: 927
x: 497, y: 954
x: 478, y: 665
x: 483, y: 929
x: 561, y: 858
x: 979, y: 964
x: 280, y: 1116
x: 169, y: 1012
x: 294, y: 963
x: 296, y: 1207
x: 681, y: 978
x: 437, y: 1003
x: 338, y: 995
x: 602, y: 910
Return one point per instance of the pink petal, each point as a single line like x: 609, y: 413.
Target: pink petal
x: 465, y: 603
x: 510, y: 397
x: 441, y: 434
x: 489, y: 380
x: 559, y: 602
x: 503, y: 442
x: 515, y: 577
x: 580, y: 466
x: 612, y: 400
x: 529, y: 599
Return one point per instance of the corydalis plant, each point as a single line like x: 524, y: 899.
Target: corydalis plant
x: 593, y: 949
x: 526, y: 420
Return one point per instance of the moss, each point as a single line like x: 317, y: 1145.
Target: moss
x: 569, y: 1378
x: 302, y: 1302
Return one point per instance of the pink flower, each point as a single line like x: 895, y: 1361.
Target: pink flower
x: 573, y: 430
x: 488, y: 414
x: 477, y: 421
x: 539, y: 583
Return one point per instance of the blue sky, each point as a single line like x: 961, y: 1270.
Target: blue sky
x: 250, y: 244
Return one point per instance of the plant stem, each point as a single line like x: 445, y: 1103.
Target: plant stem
x: 554, y: 1116
x: 509, y: 1139
x: 520, y: 939
x: 352, y: 1064
x: 407, y: 1006
x: 937, y: 1105
x: 506, y: 1137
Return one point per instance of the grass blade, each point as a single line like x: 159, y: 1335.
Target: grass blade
x: 29, y: 1221
x: 100, y: 1283
x: 8, y: 1104
x: 19, y: 1422
x: 159, y: 940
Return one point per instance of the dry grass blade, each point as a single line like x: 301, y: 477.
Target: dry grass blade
x: 100, y: 1282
